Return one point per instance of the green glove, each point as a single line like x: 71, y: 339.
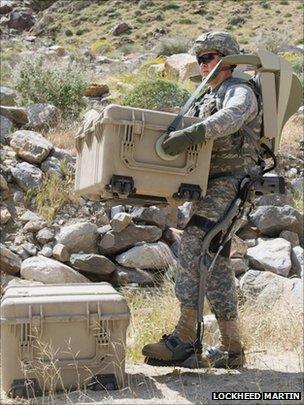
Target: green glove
x: 178, y: 141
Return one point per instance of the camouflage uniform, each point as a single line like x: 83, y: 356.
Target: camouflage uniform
x: 232, y: 119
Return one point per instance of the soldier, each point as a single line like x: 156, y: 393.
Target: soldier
x: 231, y: 118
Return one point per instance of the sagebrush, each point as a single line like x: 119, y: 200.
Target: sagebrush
x: 58, y: 82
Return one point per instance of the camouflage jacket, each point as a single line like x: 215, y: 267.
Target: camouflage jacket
x: 233, y: 119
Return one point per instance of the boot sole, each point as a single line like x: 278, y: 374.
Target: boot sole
x: 193, y: 361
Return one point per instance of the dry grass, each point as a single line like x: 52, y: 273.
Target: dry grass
x: 63, y: 135
x: 293, y: 136
x: 156, y: 312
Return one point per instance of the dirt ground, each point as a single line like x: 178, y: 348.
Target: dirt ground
x: 154, y: 385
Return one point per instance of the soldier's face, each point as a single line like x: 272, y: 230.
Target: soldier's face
x: 207, y: 61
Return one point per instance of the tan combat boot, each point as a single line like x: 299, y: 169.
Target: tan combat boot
x: 185, y: 332
x: 230, y: 352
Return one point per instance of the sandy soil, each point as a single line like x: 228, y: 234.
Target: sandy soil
x: 155, y: 385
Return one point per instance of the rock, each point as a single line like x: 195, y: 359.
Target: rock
x: 172, y: 235
x: 112, y: 243
x: 49, y: 271
x: 29, y: 216
x: 41, y: 116
x: 27, y: 176
x: 123, y: 276
x: 272, y: 220
x: 297, y: 259
x: 30, y: 146
x: 271, y: 255
x: 116, y: 210
x: 283, y: 293
x: 239, y: 266
x: 3, y: 184
x: 96, y: 90
x: 104, y: 229
x: 7, y: 96
x: 45, y: 235
x: 16, y: 282
x: 9, y: 262
x: 18, y: 197
x: 251, y: 242
x: 92, y: 263
x: 17, y: 115
x: 6, y: 127
x: 150, y: 215
x: 238, y: 247
x: 62, y: 154
x: 51, y: 165
x: 292, y: 237
x: 21, y: 19
x: 30, y: 248
x: 182, y: 65
x: 271, y: 290
x: 5, y: 7
x: 120, y: 29
x: 79, y: 237
x: 61, y: 253
x: 278, y: 200
x: 120, y: 221
x: 147, y: 256
x: 46, y: 251
x: 5, y: 215
x: 298, y: 185
x: 184, y: 214
x: 248, y: 232
x: 34, y: 226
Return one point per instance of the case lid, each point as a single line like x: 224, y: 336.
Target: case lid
x: 62, y: 300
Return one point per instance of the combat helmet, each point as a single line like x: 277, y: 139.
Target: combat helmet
x: 222, y: 41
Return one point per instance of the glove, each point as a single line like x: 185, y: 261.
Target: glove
x: 178, y: 141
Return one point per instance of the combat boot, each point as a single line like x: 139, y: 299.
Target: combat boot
x: 230, y: 352
x: 174, y: 348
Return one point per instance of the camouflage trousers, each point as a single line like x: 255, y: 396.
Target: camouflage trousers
x: 220, y: 285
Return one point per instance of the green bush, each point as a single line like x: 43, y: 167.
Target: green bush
x: 171, y: 45
x: 156, y: 94
x: 57, y: 82
x: 271, y: 39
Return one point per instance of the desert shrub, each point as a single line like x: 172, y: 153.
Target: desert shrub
x: 271, y: 39
x: 156, y: 94
x: 172, y: 45
x: 101, y: 46
x: 265, y: 4
x: 60, y: 83
x: 171, y: 6
x: 284, y: 2
x: 236, y: 20
x: 185, y: 21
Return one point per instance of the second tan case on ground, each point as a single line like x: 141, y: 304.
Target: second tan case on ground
x: 58, y: 337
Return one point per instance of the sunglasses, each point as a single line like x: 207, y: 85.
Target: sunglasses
x: 206, y: 58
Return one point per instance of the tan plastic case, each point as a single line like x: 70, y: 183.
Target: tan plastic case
x: 58, y: 337
x: 123, y: 143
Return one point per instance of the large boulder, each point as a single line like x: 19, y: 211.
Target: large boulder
x: 79, y: 237
x: 17, y: 115
x: 49, y: 271
x: 112, y: 243
x: 150, y: 256
x: 272, y: 220
x: 120, y: 28
x: 9, y: 262
x: 27, y: 176
x: 92, y: 263
x: 182, y: 65
x: 41, y: 115
x: 271, y: 255
x: 30, y: 146
x: 7, y: 96
x: 271, y: 290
